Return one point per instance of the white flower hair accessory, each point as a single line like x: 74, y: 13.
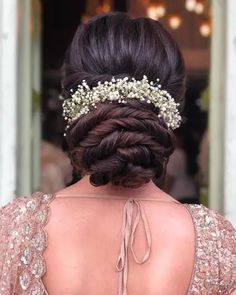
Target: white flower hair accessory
x: 84, y: 99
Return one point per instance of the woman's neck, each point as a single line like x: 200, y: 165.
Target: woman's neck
x: 85, y: 187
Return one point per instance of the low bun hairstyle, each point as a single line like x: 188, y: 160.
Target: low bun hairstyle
x: 123, y: 144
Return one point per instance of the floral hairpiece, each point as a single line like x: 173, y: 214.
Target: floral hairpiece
x: 121, y: 90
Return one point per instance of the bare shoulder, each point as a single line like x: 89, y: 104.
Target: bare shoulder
x: 175, y: 226
x: 172, y: 216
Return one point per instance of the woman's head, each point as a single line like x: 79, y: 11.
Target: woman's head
x: 126, y: 144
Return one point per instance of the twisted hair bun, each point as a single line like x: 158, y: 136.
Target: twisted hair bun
x: 124, y: 144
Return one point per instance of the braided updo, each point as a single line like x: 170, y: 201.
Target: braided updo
x: 124, y: 144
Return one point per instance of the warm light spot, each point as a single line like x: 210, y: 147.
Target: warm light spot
x: 205, y: 29
x: 199, y: 8
x: 190, y: 5
x: 161, y: 10
x: 175, y: 21
x: 151, y: 12
x: 156, y: 11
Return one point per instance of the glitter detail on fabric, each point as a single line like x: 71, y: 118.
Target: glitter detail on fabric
x: 22, y: 243
x: 215, y: 253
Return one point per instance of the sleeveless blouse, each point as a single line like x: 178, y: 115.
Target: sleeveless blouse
x: 23, y: 240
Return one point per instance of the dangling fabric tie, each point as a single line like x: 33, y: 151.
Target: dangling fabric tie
x: 129, y: 228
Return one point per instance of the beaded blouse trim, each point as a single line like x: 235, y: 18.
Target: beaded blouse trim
x: 215, y: 253
x: 23, y: 265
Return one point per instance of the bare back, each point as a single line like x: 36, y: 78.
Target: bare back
x: 84, y: 243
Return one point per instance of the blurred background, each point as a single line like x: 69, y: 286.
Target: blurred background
x: 34, y: 38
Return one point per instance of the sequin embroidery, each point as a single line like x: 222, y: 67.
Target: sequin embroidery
x: 23, y: 241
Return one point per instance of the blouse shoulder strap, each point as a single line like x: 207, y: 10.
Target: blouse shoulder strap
x: 227, y: 254
x: 22, y: 242
x: 10, y: 235
x: 215, y: 252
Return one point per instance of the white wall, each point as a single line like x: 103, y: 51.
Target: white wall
x: 222, y: 133
x: 8, y: 99
x: 19, y: 85
x: 24, y: 159
x: 230, y: 114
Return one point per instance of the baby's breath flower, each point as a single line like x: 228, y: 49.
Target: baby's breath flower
x: 119, y: 90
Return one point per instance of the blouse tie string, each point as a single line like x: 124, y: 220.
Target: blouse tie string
x: 129, y: 226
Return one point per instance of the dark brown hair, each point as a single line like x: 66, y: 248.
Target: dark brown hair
x: 128, y: 144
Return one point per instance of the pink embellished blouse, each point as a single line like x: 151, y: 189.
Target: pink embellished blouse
x: 23, y: 241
